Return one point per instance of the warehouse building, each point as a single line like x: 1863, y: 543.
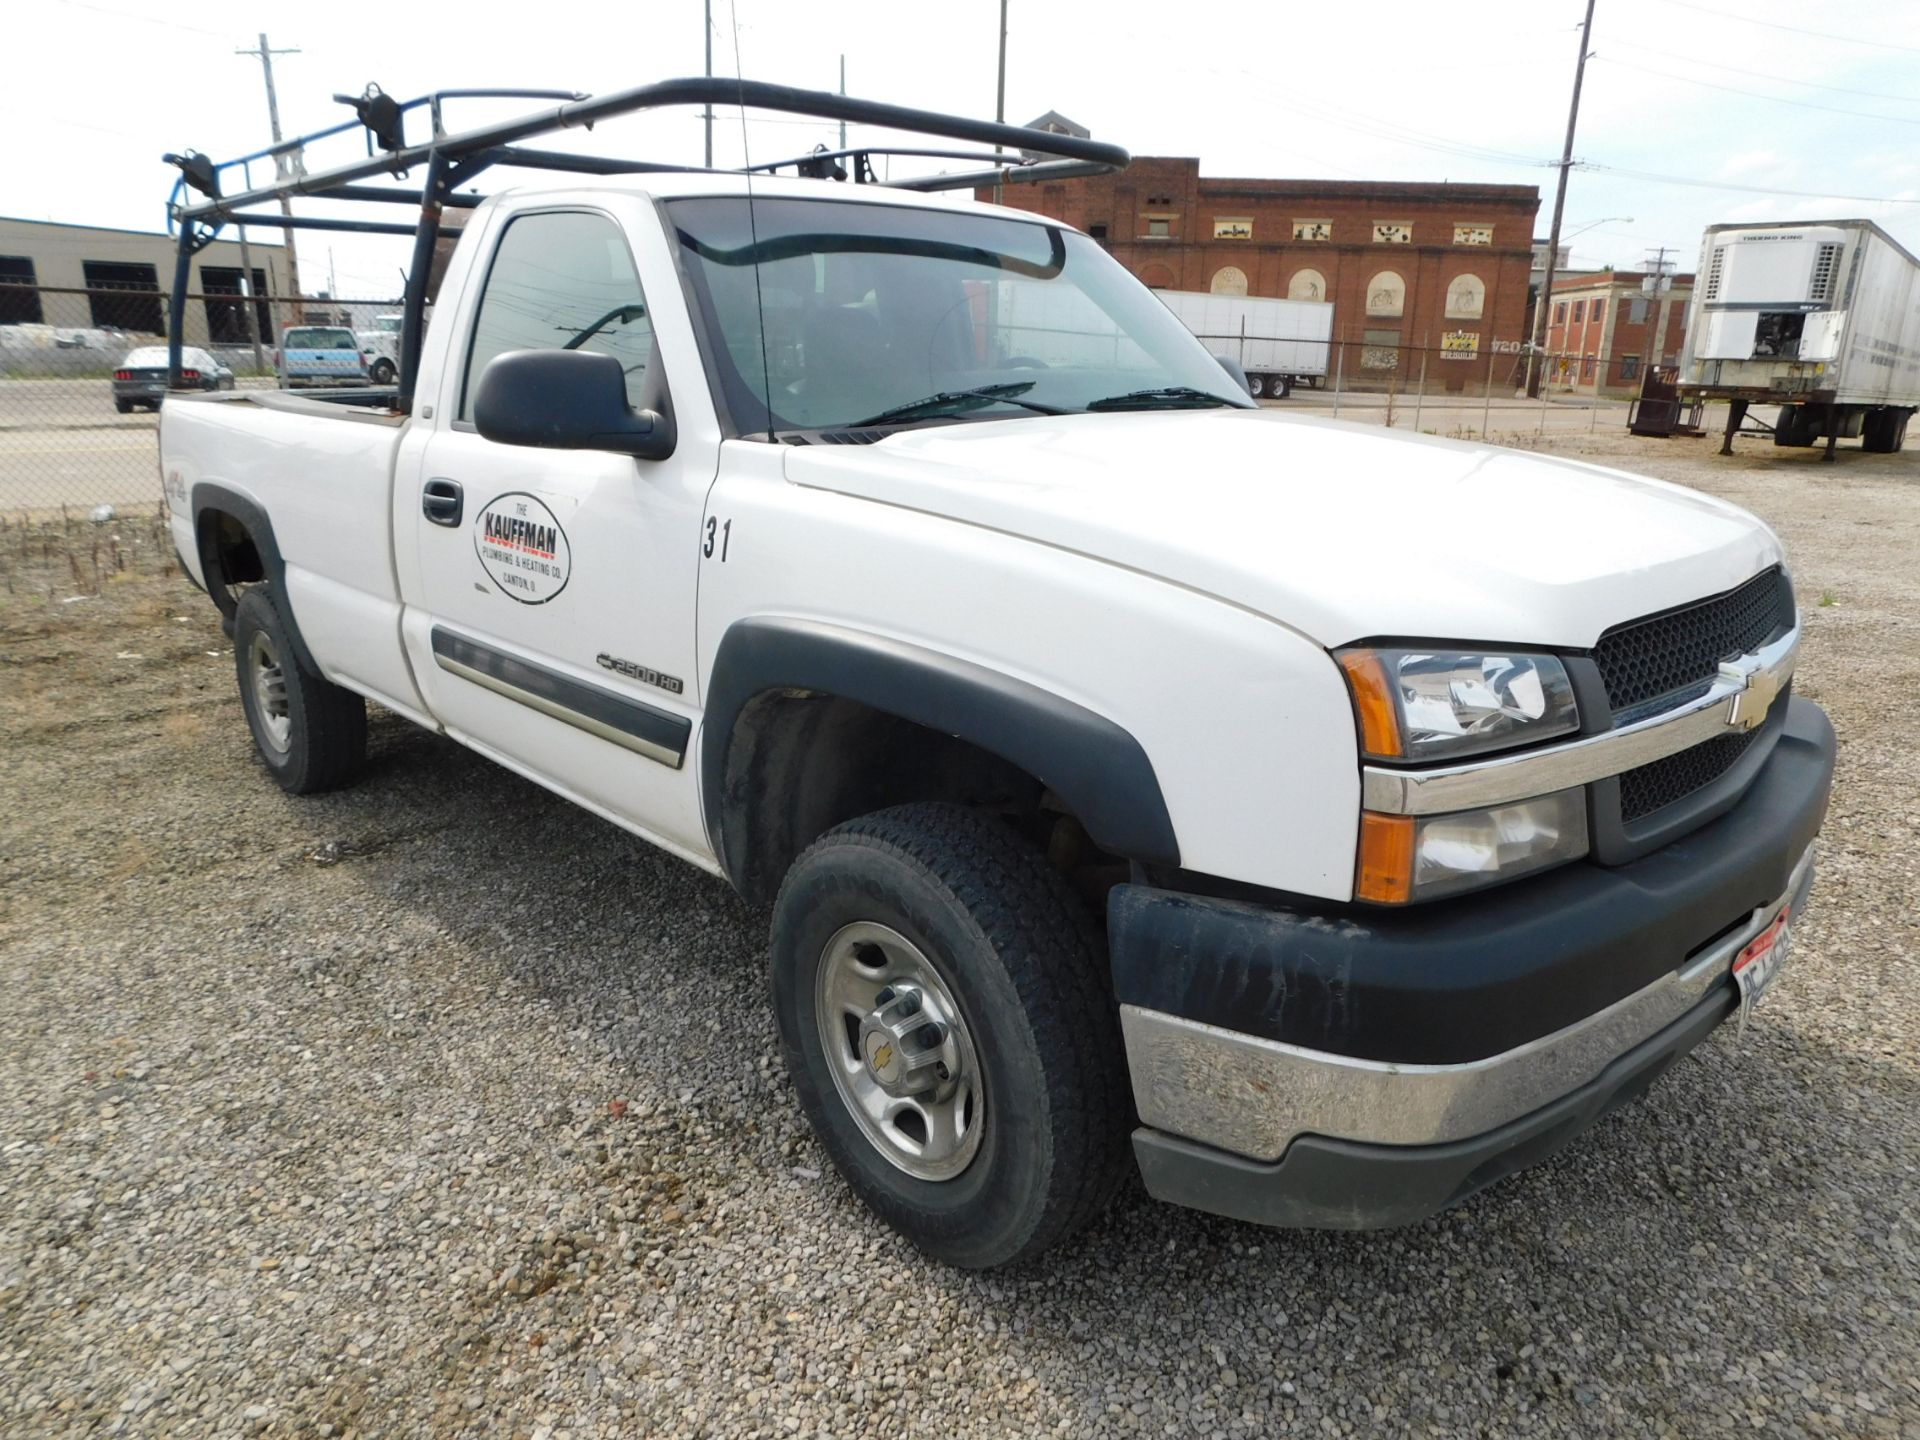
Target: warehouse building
x: 75, y: 279
x: 1416, y: 271
x: 1607, y: 327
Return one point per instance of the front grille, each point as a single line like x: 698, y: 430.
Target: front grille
x: 1664, y: 656
x: 1660, y: 783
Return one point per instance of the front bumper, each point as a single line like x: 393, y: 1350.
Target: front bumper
x: 1369, y: 1070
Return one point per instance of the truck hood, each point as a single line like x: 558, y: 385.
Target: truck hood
x: 1342, y: 532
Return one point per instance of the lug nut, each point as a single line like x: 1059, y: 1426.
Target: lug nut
x: 885, y: 997
x: 929, y: 1036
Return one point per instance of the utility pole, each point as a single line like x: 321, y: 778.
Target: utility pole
x: 1663, y: 286
x: 265, y: 54
x: 1545, y: 306
x: 1000, y: 92
x: 708, y: 113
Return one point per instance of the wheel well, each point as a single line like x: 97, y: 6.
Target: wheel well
x: 230, y: 558
x: 800, y: 762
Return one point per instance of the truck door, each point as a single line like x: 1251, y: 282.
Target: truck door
x: 553, y: 623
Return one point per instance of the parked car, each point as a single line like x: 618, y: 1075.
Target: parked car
x: 319, y: 355
x: 141, y: 378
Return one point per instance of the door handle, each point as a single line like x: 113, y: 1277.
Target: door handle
x: 441, y: 501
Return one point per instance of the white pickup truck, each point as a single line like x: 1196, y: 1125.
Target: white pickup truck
x: 1332, y: 821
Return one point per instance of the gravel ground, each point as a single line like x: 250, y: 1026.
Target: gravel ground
x: 437, y: 1107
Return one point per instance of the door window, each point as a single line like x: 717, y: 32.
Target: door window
x: 561, y: 280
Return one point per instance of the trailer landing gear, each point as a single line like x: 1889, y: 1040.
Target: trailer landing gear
x: 1736, y: 413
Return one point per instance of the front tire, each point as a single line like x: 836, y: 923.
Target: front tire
x: 944, y: 1012
x: 311, y: 734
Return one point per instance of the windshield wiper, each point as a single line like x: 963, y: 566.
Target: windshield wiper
x: 955, y: 402
x: 1166, y: 397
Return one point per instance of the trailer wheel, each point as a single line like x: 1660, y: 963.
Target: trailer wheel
x: 1256, y: 385
x: 1884, y: 431
x: 1280, y: 386
x: 1795, y: 427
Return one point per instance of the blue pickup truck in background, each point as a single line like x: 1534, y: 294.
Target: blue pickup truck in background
x: 313, y: 355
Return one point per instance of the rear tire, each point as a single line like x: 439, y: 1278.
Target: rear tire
x: 383, y: 372
x: 950, y: 912
x: 123, y: 407
x: 1280, y: 387
x: 311, y: 734
x: 1256, y: 385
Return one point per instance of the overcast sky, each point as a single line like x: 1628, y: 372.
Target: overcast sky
x: 1773, y: 95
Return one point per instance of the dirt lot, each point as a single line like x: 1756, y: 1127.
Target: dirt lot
x: 436, y: 1106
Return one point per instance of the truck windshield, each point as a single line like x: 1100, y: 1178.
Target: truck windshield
x: 823, y: 314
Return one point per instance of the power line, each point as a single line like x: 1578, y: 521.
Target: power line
x: 1761, y: 95
x: 144, y: 19
x: 1776, y: 79
x: 1700, y: 184
x: 1795, y: 29
x: 1399, y: 135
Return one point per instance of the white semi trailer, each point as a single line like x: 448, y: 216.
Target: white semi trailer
x: 1820, y: 319
x: 1279, y: 343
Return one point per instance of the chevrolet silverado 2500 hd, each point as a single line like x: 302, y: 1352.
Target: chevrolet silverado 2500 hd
x: 1335, y: 819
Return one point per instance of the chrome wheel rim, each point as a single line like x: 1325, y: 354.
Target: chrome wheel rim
x: 269, y: 692
x: 899, y: 1050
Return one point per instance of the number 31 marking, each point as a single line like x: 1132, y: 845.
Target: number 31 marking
x: 725, y: 532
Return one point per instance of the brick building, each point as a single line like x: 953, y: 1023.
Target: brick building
x: 1406, y: 265
x: 1602, y: 333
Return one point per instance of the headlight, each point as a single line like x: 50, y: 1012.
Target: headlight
x: 1405, y: 858
x: 1433, y: 704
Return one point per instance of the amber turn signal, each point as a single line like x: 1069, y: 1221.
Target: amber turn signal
x: 1373, y: 703
x: 1385, y: 872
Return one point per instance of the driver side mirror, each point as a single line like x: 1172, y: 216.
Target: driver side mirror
x: 567, y: 400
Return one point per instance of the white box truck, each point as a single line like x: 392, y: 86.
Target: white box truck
x: 1279, y: 343
x: 1821, y: 319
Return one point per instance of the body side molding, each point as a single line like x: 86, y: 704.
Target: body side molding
x: 619, y: 719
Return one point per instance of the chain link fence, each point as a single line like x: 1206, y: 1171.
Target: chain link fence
x: 82, y: 376
x: 79, y: 397
x: 1461, y: 390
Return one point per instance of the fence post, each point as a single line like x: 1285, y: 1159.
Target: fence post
x: 1420, y: 395
x: 1546, y: 374
x: 1339, y: 368
x: 1486, y: 407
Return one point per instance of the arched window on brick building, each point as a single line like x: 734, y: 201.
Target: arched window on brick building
x: 1157, y: 276
x: 1229, y: 280
x: 1386, y: 294
x: 1307, y: 285
x: 1466, y: 297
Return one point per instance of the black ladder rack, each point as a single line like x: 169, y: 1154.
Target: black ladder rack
x: 452, y: 160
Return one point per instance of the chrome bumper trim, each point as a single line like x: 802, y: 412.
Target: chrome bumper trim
x: 1737, y: 701
x: 1254, y: 1096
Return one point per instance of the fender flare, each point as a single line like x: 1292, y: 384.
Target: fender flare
x: 208, y: 496
x: 1098, y: 768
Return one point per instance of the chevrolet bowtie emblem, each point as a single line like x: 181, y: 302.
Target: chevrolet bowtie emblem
x: 1752, y: 702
